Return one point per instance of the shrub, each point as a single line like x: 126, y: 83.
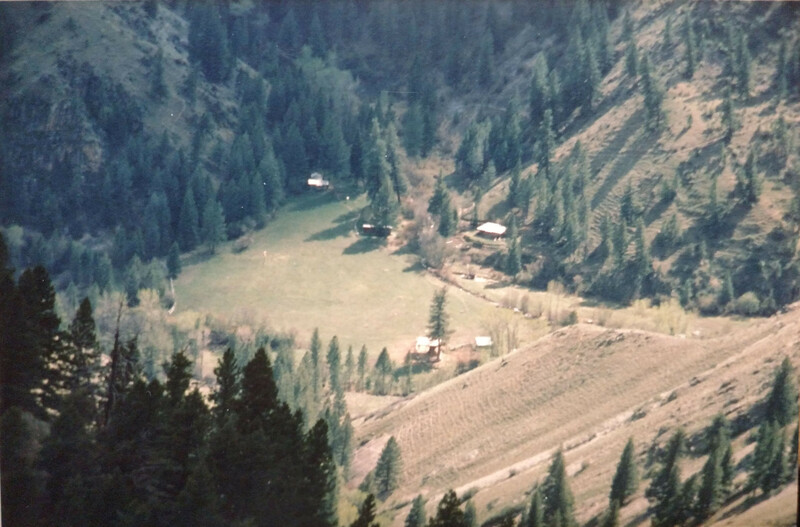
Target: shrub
x: 748, y: 304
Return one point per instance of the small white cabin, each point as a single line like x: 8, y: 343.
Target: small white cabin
x: 317, y: 181
x: 491, y: 230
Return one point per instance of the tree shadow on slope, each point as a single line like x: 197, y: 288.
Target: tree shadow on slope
x: 337, y: 231
x: 623, y: 162
x: 364, y: 245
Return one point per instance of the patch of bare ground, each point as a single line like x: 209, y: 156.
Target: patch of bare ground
x: 584, y: 389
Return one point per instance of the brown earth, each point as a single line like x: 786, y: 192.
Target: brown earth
x: 584, y: 389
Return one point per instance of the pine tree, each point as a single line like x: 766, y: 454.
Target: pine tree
x: 620, y: 242
x: 631, y: 59
x: 513, y: 258
x: 366, y: 514
x: 748, y: 183
x: 486, y: 60
x: 388, y: 468
x: 536, y: 511
x: 259, y: 394
x: 667, y: 509
x: 334, y: 358
x: 658, y: 490
x: 83, y: 339
x: 627, y: 26
x: 416, y: 516
x: 349, y: 369
x: 644, y: 265
x: 188, y: 224
x: 315, y: 350
x: 413, y: 129
x: 471, y: 515
x: 212, y: 231
x: 545, y: 142
x: 448, y: 218
x: 173, y: 261
x: 438, y: 319
x: 768, y: 469
x: 728, y: 117
x: 228, y: 384
x: 626, y: 479
x: 556, y: 495
x: 709, y: 496
x: 362, y: 368
x: 448, y: 513
x: 743, y: 66
x: 628, y: 208
x: 611, y: 518
x: 383, y: 368
x: 781, y: 404
x: 158, y: 87
x: 653, y: 97
x: 439, y: 198
x: 318, y: 488
x: 690, y: 48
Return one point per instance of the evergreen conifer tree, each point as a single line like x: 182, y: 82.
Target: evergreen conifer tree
x: 349, y: 369
x: 416, y: 516
x: 536, y: 511
x: 559, y: 504
x: 728, y: 117
x: 439, y: 198
x: 743, y: 66
x: 334, y: 358
x: 626, y: 478
x: 631, y: 59
x: 438, y: 319
x: 448, y: 512
x: 383, y: 369
x: 471, y: 515
x: 188, y: 222
x: 83, y: 339
x: 362, y: 368
x: 748, y: 183
x: 387, y: 471
x: 513, y: 258
x: 173, y: 261
x: 691, y: 44
x: 781, y: 404
x: 611, y: 518
x: 545, y: 142
x: 366, y: 513
x: 227, y: 390
x: 212, y: 231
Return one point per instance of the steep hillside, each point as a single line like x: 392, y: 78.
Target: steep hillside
x: 492, y: 431
x: 174, y: 112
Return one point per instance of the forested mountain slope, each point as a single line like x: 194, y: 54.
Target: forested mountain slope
x: 154, y: 126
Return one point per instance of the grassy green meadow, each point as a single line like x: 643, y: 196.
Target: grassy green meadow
x: 318, y: 272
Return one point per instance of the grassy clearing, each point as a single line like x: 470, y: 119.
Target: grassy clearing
x: 310, y: 269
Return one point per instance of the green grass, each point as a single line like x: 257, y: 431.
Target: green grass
x: 319, y: 273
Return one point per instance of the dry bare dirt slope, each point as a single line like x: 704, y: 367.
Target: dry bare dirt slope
x: 585, y: 389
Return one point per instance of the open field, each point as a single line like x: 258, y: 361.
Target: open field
x: 585, y: 389
x: 318, y: 272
